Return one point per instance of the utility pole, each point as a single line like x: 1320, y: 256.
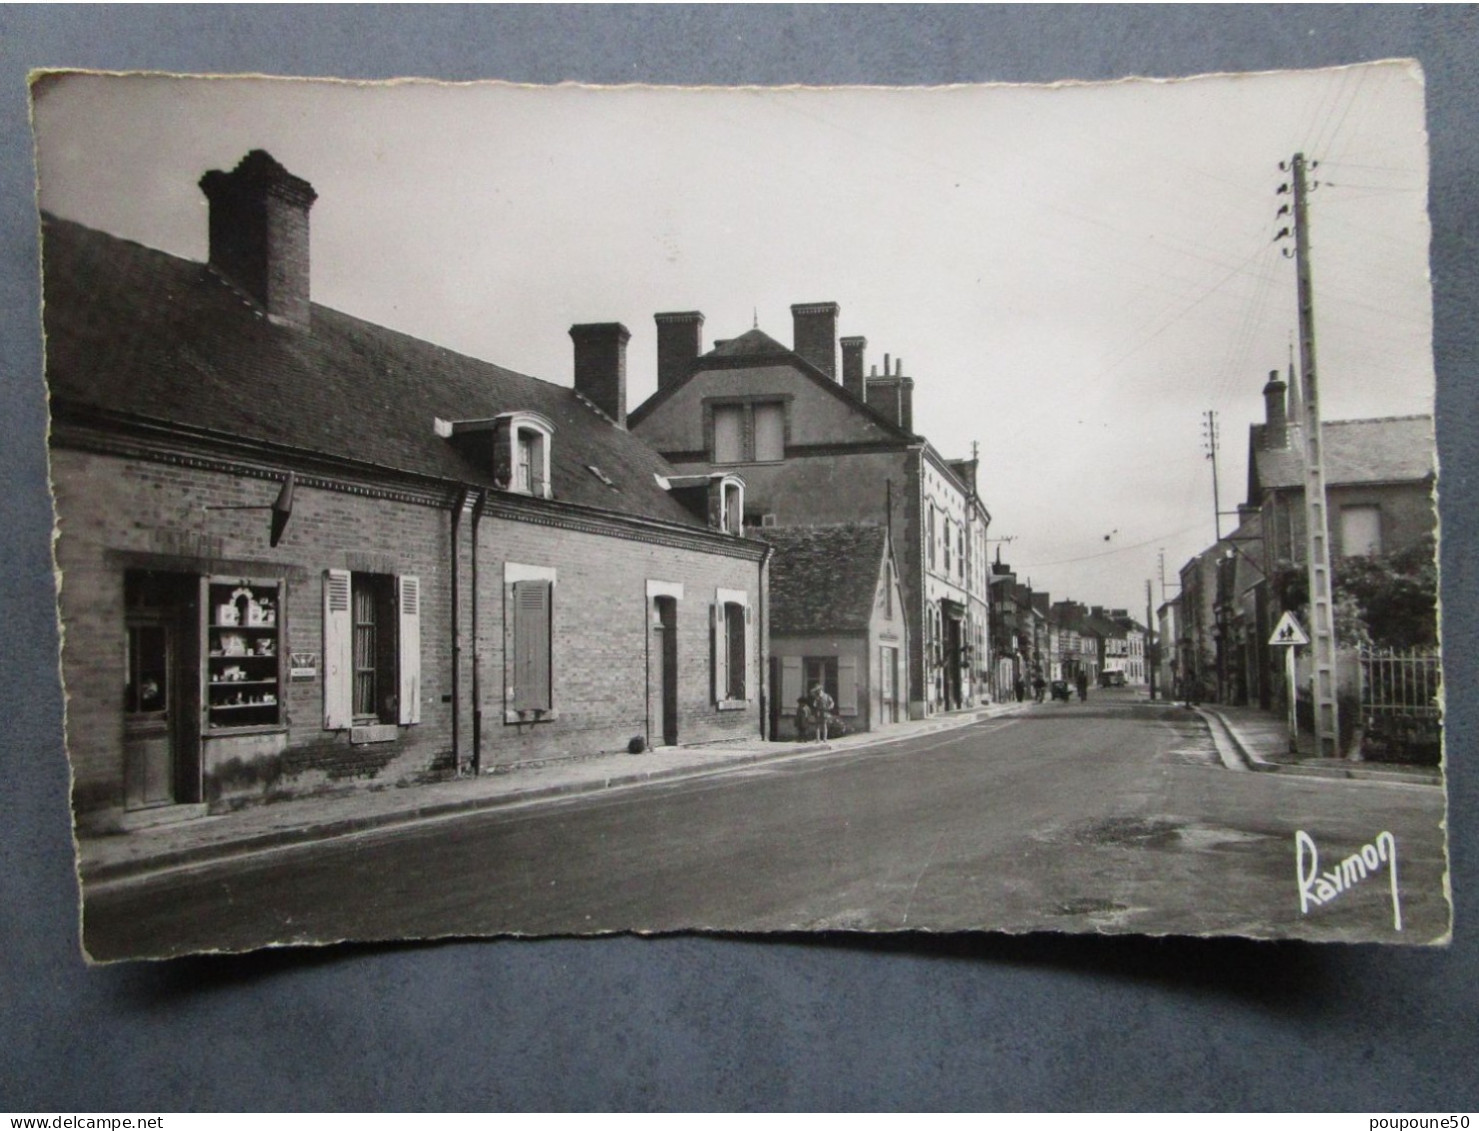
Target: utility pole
x: 1316, y: 519
x: 1150, y: 653
x: 1209, y: 435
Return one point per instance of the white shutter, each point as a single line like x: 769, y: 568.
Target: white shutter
x: 338, y: 666
x: 408, y: 602
x: 847, y: 685
x: 750, y: 674
x: 791, y: 689
x: 719, y: 650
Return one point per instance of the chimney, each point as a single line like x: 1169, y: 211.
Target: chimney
x: 893, y: 395
x: 259, y: 234
x: 853, y: 379
x: 1275, y: 413
x: 601, y: 366
x: 815, y: 334
x: 679, y: 342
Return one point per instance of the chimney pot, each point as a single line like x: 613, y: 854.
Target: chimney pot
x: 259, y: 234
x: 814, y: 337
x: 601, y: 366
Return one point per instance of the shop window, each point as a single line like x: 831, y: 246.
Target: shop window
x: 372, y: 649
x: 243, y: 653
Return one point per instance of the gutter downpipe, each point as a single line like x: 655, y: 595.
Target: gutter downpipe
x: 763, y: 630
x: 477, y: 664
x: 457, y: 636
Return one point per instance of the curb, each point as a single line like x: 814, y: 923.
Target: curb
x: 1353, y: 771
x: 344, y: 826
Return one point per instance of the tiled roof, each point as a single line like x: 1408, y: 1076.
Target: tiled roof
x: 1384, y: 449
x: 824, y: 578
x: 136, y: 331
x: 752, y: 343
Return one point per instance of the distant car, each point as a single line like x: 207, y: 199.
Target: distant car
x: 1111, y: 679
x: 1061, y: 690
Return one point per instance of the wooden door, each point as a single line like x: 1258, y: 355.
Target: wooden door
x: 150, y: 705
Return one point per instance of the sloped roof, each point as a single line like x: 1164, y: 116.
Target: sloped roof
x: 752, y: 343
x: 137, y: 331
x: 824, y: 578
x: 1385, y: 449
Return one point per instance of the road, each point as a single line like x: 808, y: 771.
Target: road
x: 1111, y: 816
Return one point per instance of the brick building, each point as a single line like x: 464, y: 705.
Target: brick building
x: 302, y: 551
x: 816, y: 446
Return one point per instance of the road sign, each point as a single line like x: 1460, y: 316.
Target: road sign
x: 1287, y: 633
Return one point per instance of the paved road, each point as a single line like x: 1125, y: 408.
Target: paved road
x: 1107, y: 816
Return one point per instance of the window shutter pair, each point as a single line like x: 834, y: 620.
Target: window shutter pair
x: 338, y: 646
x: 532, y: 646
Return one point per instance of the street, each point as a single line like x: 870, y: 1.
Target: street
x: 1113, y: 816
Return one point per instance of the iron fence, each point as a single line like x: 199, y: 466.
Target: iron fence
x: 1401, y: 719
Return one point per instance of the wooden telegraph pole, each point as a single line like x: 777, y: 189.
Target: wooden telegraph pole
x: 1316, y: 520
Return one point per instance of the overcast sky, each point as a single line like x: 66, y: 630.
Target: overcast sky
x: 1072, y: 275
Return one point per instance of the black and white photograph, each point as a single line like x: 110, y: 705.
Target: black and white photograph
x: 490, y: 509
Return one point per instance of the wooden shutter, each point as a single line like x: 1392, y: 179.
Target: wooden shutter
x: 791, y: 689
x: 532, y: 646
x: 719, y: 651
x: 408, y: 601
x: 338, y: 661
x: 847, y: 685
x: 750, y: 680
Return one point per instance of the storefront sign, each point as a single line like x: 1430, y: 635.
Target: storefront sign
x: 304, y: 665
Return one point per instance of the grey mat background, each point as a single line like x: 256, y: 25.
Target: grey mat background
x: 696, y: 1022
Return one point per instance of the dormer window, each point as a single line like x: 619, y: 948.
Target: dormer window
x: 727, y: 504
x: 520, y: 448
x: 523, y: 440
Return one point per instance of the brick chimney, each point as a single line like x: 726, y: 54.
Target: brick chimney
x: 854, y: 380
x: 893, y: 395
x: 601, y: 366
x: 259, y: 234
x: 815, y: 334
x: 1275, y: 412
x: 679, y: 342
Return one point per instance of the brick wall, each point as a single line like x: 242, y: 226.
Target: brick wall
x: 116, y: 514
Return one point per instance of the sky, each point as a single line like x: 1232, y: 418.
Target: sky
x: 1073, y: 275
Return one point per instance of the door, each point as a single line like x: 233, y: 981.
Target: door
x: 952, y: 663
x: 663, y: 678
x: 149, y: 712
x: 888, y: 661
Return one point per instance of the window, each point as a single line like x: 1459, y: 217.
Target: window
x: 727, y: 504
x: 749, y: 432
x: 731, y: 649
x: 372, y: 649
x: 948, y: 525
x: 932, y: 537
x: 528, y: 643
x: 1360, y: 531
x: 838, y: 676
x: 521, y: 450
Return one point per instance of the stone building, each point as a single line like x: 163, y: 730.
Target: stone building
x: 837, y: 620
x: 302, y: 551
x: 816, y: 444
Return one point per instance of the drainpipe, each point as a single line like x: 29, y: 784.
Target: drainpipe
x: 762, y: 633
x: 457, y: 637
x: 477, y: 660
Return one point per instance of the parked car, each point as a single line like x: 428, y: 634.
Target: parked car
x: 1111, y: 679
x: 1062, y: 690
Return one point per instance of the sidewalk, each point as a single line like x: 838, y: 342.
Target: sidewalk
x: 1260, y: 740
x: 112, y: 857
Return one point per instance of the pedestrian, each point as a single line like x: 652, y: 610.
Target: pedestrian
x: 803, y: 719
x: 1039, y: 685
x: 820, y: 705
x: 1081, y: 681
x: 1019, y: 688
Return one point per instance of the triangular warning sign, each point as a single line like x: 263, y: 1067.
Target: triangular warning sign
x: 1287, y: 632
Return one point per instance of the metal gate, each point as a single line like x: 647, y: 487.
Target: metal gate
x: 1400, y: 713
